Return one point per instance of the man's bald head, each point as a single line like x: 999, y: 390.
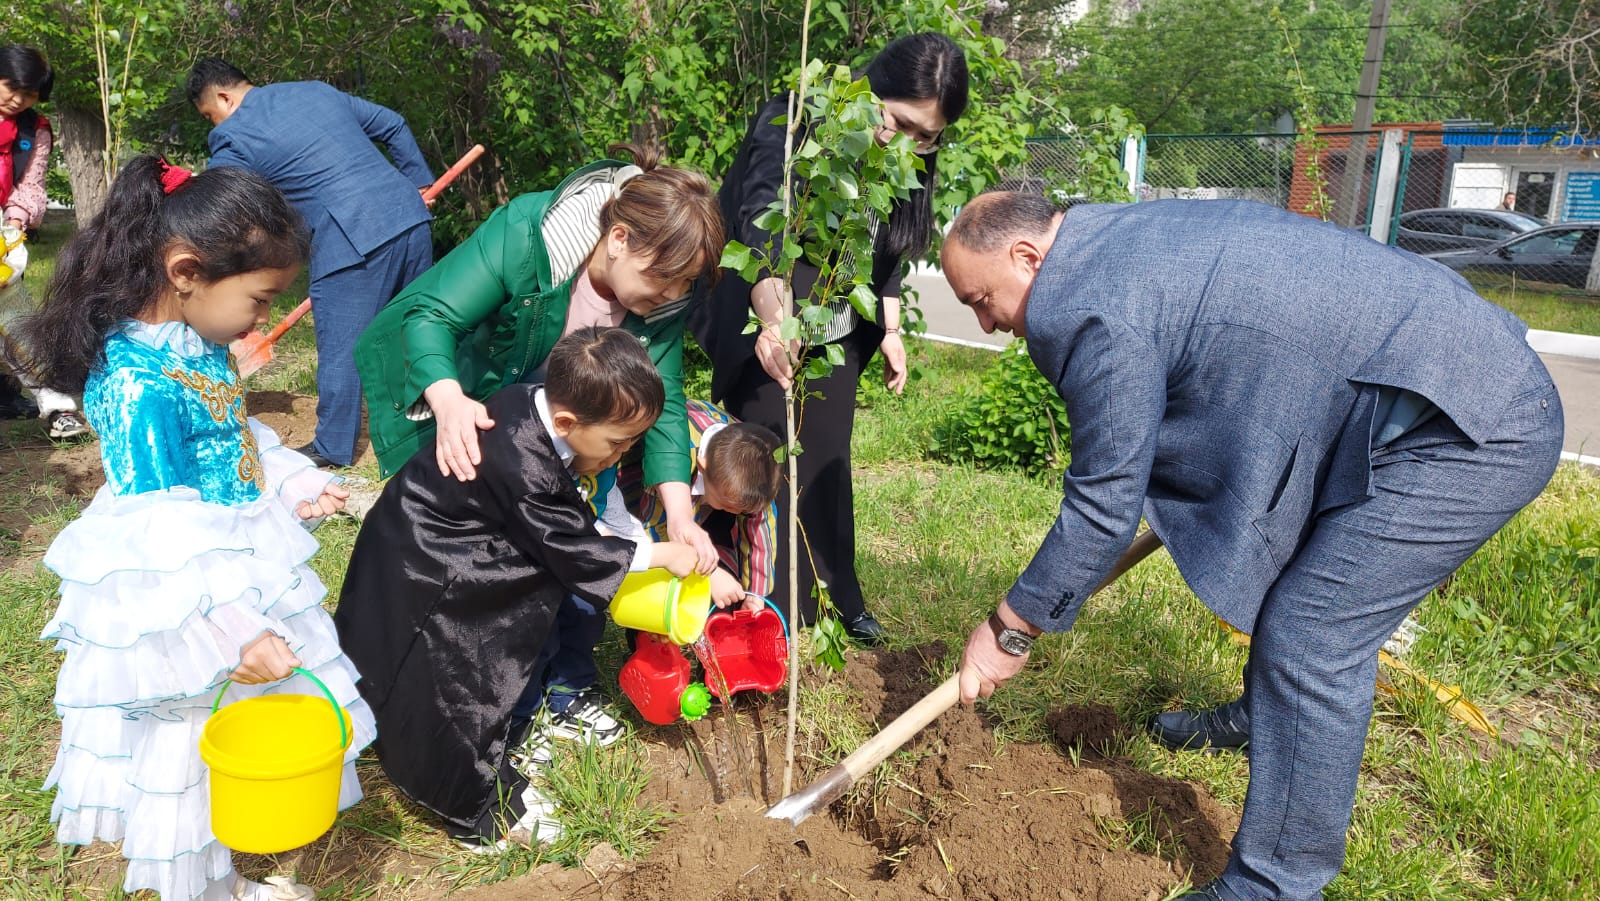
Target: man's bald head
x: 994, y: 220
x: 994, y: 250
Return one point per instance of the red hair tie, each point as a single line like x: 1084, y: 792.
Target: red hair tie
x: 172, y: 176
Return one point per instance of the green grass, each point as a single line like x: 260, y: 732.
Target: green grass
x: 1441, y: 812
x: 1570, y: 311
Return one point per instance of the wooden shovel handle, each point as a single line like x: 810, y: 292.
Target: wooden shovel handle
x: 877, y: 748
x: 838, y: 780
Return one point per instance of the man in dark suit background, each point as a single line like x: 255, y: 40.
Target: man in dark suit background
x: 1320, y: 429
x: 369, y: 225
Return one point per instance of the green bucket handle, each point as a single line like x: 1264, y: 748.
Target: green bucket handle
x: 344, y: 730
x: 670, y: 610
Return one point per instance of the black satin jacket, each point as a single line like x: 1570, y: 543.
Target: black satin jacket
x: 450, y: 594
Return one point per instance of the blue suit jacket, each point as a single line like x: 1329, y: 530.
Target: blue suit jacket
x: 315, y: 143
x: 1212, y: 356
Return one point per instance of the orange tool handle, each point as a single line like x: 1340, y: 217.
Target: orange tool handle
x: 434, y: 190
x: 467, y: 159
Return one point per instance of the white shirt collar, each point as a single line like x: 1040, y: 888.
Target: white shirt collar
x: 178, y: 337
x: 563, y: 449
x: 697, y: 488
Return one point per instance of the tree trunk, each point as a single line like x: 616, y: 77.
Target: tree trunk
x: 82, y: 135
x: 648, y: 131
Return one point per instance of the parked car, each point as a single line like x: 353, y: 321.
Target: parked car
x: 1428, y: 231
x: 1560, y: 254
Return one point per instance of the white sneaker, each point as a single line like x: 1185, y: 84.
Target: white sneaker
x: 67, y: 424
x: 534, y: 754
x: 538, y: 825
x: 586, y: 719
x: 276, y: 888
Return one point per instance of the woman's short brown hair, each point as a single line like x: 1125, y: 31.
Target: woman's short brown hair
x: 671, y: 216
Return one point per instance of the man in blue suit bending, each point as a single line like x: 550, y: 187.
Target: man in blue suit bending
x: 369, y: 226
x: 1320, y: 428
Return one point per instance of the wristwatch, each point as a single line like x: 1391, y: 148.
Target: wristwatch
x: 1015, y: 642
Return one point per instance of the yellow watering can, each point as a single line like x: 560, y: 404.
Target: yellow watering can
x: 657, y: 601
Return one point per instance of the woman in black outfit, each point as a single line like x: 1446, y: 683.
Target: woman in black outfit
x: 921, y: 80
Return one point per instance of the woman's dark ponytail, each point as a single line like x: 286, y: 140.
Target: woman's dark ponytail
x: 115, y: 267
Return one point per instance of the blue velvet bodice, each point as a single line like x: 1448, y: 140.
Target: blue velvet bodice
x: 169, y: 409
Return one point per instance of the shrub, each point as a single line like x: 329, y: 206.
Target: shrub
x: 1015, y: 418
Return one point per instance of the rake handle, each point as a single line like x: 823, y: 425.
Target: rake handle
x: 433, y: 191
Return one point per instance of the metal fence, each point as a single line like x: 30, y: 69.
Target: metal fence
x: 1052, y: 166
x: 1256, y: 167
x: 1276, y: 169
x: 1507, y: 209
x: 1434, y: 192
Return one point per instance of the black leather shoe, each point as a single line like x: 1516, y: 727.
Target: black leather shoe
x: 1226, y: 727
x: 309, y: 451
x: 866, y: 630
x: 16, y: 405
x: 1212, y: 892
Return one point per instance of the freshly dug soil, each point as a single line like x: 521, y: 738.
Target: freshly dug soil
x: 965, y: 822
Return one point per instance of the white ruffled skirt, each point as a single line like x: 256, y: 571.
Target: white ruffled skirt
x: 159, y: 592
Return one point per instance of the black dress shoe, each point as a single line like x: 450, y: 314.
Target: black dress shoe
x: 16, y: 405
x: 1226, y: 727
x: 309, y: 451
x: 1212, y: 892
x: 866, y: 630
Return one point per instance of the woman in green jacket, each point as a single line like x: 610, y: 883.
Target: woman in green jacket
x: 613, y: 244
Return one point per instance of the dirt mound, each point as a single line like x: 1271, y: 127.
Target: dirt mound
x: 965, y: 822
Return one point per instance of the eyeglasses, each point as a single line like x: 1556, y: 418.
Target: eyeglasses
x: 925, y: 142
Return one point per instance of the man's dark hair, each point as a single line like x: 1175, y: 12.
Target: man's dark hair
x: 603, y: 375
x: 212, y: 72
x: 742, y: 460
x: 995, y: 219
x: 26, y: 70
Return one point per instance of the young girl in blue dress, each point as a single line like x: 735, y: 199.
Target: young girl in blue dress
x: 189, y: 567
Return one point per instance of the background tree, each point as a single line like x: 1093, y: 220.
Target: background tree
x: 1536, y: 61
x: 1220, y: 66
x: 134, y: 35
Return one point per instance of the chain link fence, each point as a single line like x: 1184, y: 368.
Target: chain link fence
x: 1505, y: 209
x: 1499, y: 207
x: 1052, y: 166
x: 1219, y: 167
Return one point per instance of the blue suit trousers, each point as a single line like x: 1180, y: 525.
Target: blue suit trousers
x: 566, y: 664
x: 343, y: 304
x: 1361, y: 570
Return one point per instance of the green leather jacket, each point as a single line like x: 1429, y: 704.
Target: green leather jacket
x: 490, y: 311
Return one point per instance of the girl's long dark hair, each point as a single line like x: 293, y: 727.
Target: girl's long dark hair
x: 234, y: 220
x: 926, y: 66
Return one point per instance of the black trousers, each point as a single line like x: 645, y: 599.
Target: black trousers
x: 827, y: 497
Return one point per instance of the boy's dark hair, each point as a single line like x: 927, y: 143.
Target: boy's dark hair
x: 603, y: 375
x: 211, y: 72
x: 27, y: 70
x: 234, y: 220
x: 742, y: 460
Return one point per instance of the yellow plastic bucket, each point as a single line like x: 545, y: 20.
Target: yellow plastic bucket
x: 657, y: 601
x: 275, y: 761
